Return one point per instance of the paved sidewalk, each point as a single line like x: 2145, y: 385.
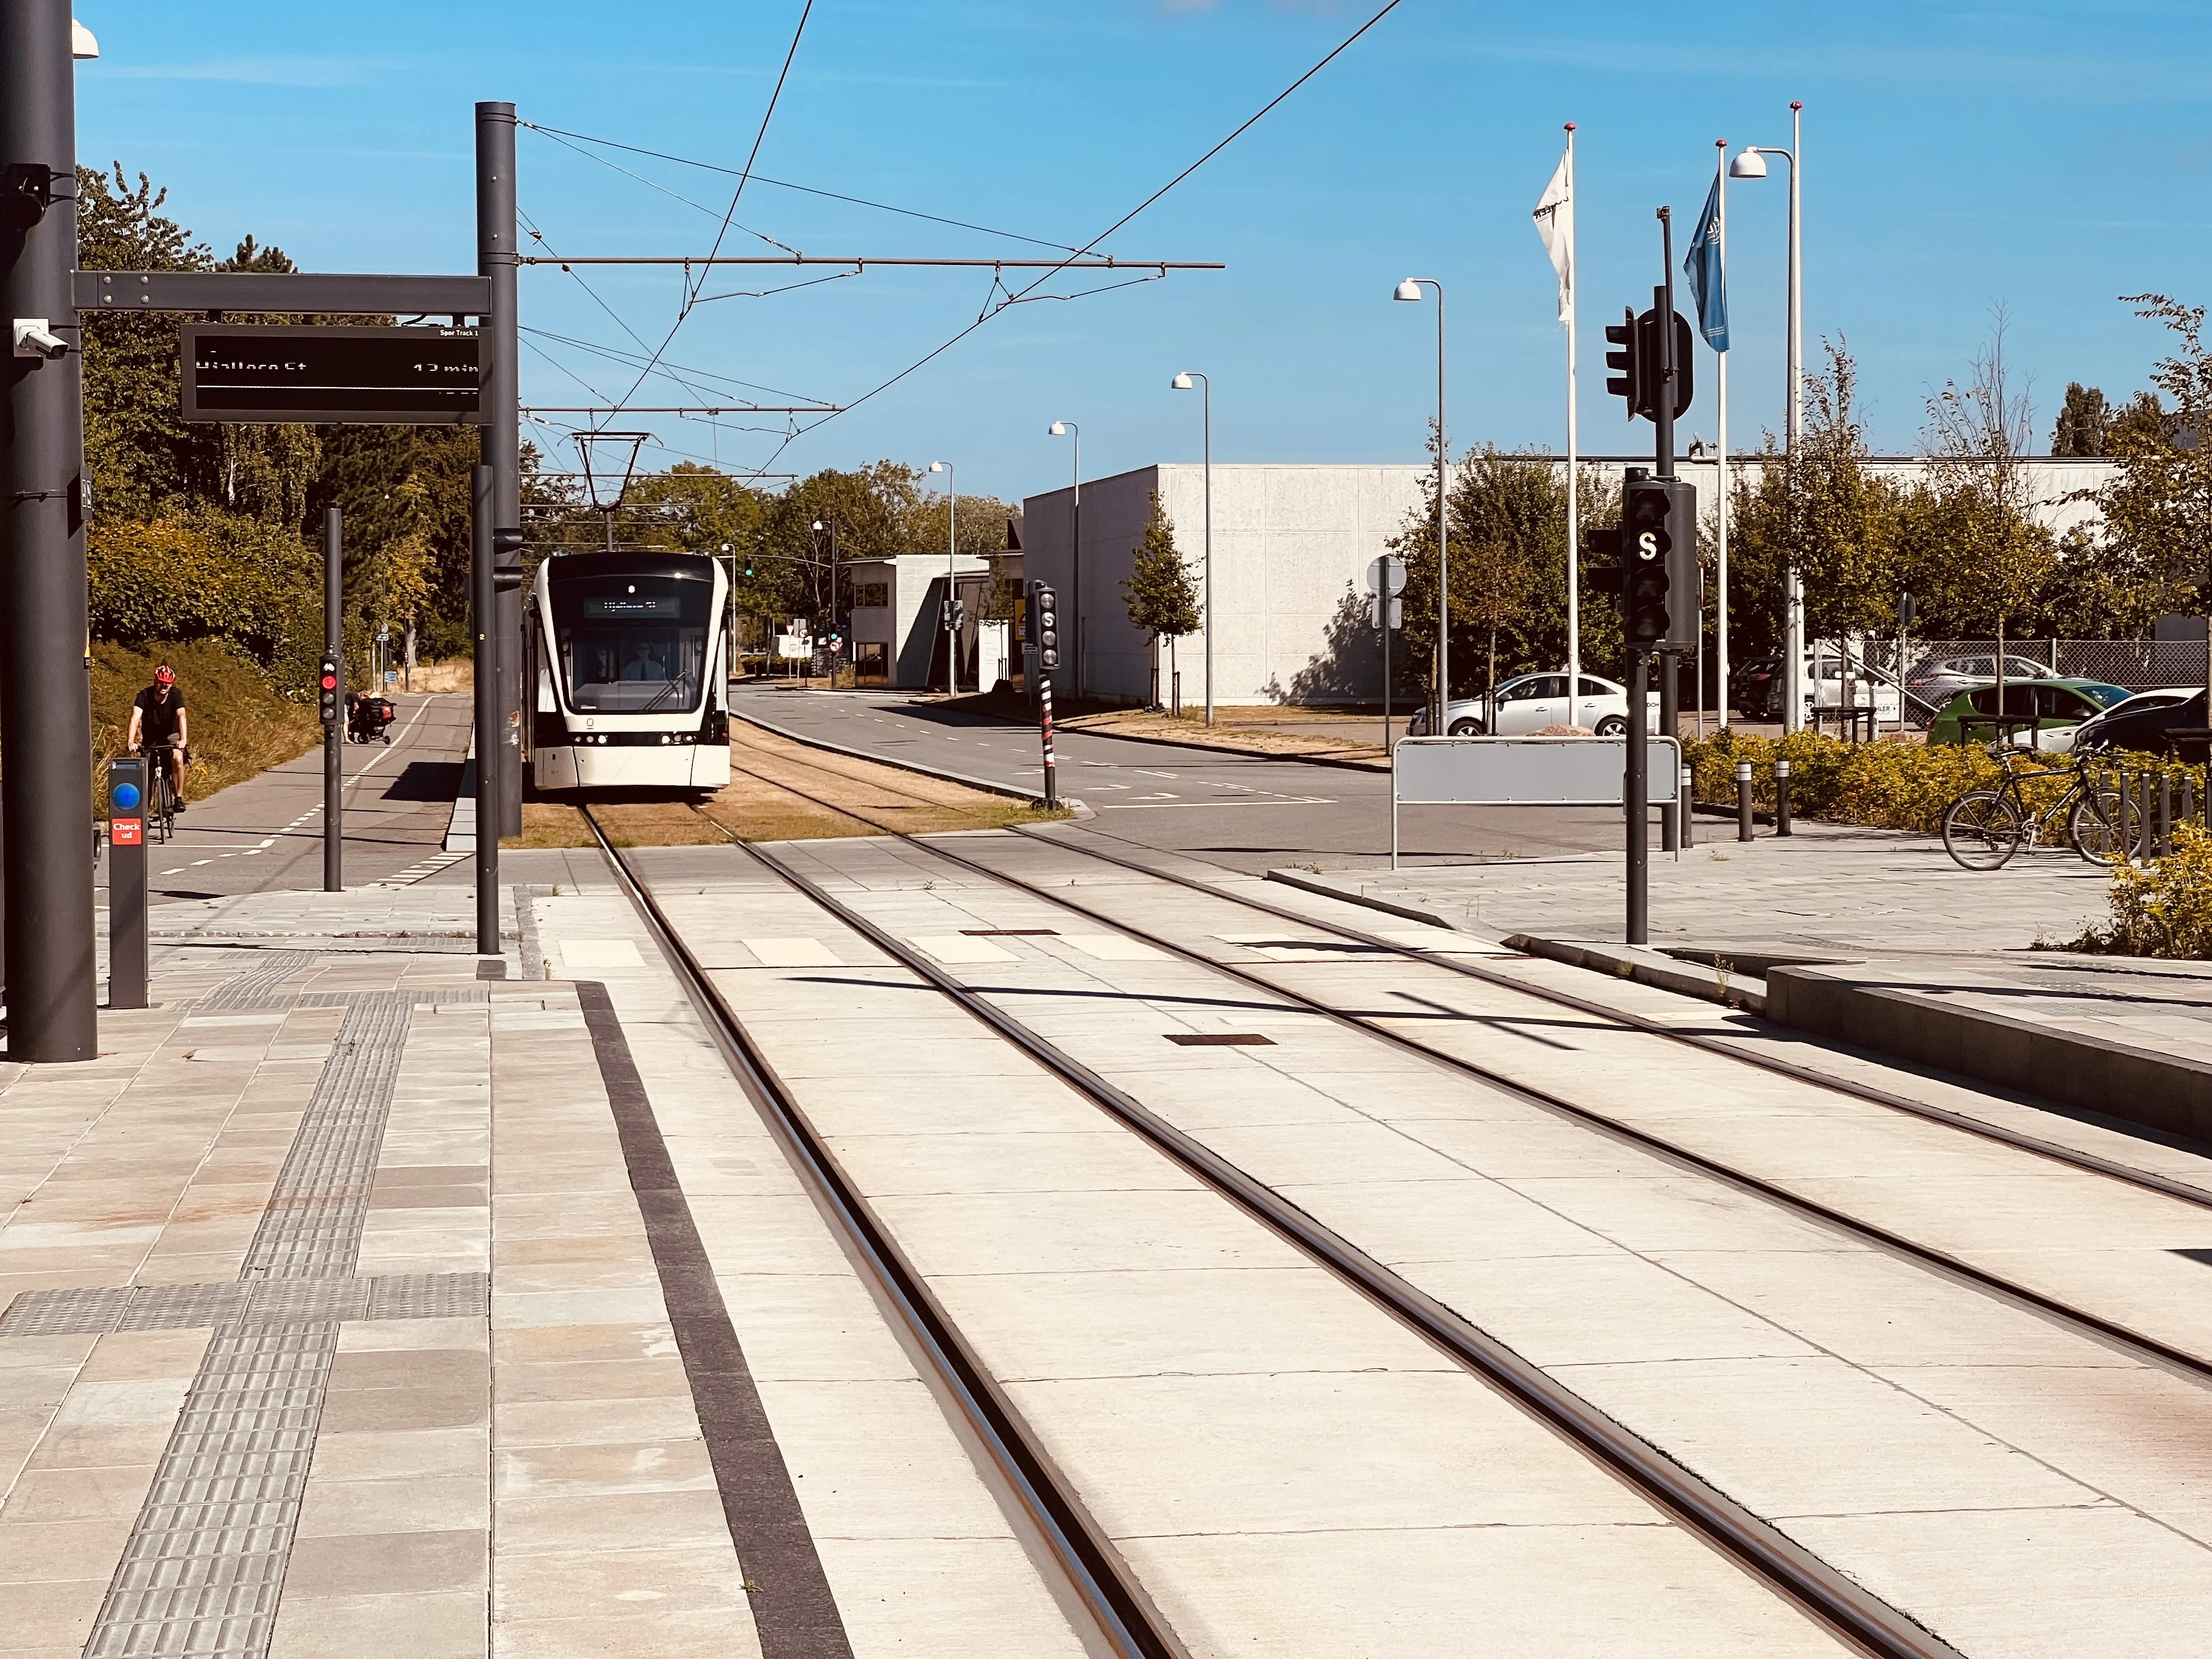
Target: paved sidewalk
x: 339, y: 1315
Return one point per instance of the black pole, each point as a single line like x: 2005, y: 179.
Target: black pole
x: 501, y: 441
x: 1051, y: 766
x: 484, y: 612
x: 1671, y: 832
x: 46, y: 716
x: 334, y: 734
x: 1638, y: 795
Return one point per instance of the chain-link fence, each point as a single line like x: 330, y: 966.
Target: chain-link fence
x: 2138, y: 665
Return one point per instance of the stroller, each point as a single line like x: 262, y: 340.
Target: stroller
x: 369, y: 719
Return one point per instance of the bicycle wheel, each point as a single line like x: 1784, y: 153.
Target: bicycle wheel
x: 1981, y: 830
x: 2095, y: 824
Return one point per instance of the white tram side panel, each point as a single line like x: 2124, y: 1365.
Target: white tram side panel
x: 625, y: 649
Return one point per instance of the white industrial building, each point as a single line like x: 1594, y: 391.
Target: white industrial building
x: 898, y: 628
x: 1291, y: 543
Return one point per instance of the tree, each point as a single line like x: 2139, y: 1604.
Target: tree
x: 1988, y: 558
x: 2158, y: 509
x: 1161, y: 596
x: 2081, y: 422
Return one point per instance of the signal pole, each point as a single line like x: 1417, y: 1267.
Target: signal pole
x: 46, y: 717
x: 334, y: 721
x: 498, y: 746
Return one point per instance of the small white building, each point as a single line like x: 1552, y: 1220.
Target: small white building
x: 1291, y: 543
x: 897, y: 621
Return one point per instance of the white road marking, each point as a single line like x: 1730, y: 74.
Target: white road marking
x: 1203, y: 805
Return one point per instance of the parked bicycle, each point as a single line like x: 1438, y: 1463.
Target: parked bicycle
x: 1983, y: 828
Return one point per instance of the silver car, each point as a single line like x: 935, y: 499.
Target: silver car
x: 1933, y: 681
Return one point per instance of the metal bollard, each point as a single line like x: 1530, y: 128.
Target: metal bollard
x: 1688, y: 792
x: 1782, y: 798
x: 2143, y: 830
x: 2188, y: 799
x: 1743, y: 800
x: 2165, y: 814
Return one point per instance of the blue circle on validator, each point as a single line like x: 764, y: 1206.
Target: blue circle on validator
x: 126, y: 795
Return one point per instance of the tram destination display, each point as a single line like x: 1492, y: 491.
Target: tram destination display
x: 319, y: 375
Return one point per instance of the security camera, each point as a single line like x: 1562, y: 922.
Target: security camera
x: 35, y: 339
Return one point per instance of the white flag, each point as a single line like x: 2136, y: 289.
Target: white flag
x: 1555, y: 223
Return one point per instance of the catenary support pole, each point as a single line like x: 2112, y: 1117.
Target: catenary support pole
x: 1574, y: 498
x: 334, y: 734
x: 483, y: 613
x: 501, y: 440
x: 45, y: 718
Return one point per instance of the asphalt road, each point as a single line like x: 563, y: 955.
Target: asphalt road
x: 267, y: 832
x: 1248, y: 813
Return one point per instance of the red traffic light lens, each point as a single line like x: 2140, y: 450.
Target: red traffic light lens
x: 330, y: 682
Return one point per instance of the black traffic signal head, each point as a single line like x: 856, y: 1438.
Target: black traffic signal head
x: 1640, y: 374
x: 1627, y: 382
x: 1645, y: 541
x: 1044, y: 625
x: 326, y: 685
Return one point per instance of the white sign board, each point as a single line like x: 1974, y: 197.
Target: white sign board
x: 794, y: 645
x: 1528, y: 771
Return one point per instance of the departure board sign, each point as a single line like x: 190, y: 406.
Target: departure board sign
x: 331, y: 376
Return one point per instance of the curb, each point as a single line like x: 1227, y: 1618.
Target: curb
x: 1373, y: 768
x: 2165, y: 1092
x: 1027, y: 796
x: 1306, y: 883
x: 1647, y: 967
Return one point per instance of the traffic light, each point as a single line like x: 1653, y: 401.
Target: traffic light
x: 327, y: 683
x: 506, y: 561
x: 1044, y: 625
x: 1628, y: 383
x: 1659, y: 564
x: 1638, y: 363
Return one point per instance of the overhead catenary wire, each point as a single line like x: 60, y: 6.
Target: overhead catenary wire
x: 990, y: 311
x: 785, y: 184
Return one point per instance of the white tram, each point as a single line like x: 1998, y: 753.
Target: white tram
x: 626, y: 651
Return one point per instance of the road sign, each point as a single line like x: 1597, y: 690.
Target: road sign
x: 325, y: 375
x: 1386, y: 574
x: 1375, y: 612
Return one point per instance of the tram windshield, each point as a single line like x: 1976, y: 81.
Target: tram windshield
x: 632, y: 645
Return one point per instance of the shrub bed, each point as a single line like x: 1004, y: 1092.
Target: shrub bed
x: 2162, y: 908
x: 241, y: 724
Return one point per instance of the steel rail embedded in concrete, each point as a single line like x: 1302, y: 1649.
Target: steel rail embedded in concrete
x: 1826, y: 1595
x: 1098, y: 1579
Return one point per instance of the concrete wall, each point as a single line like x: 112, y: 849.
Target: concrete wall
x: 1290, y: 548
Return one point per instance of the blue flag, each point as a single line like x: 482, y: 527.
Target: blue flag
x: 1708, y: 278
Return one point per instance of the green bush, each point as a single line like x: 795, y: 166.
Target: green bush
x: 1890, y: 785
x: 2162, y: 908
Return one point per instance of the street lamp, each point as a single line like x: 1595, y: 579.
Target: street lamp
x: 1752, y: 164
x: 1182, y: 383
x: 1411, y: 289
x: 952, y: 601
x: 829, y: 526
x: 1069, y: 429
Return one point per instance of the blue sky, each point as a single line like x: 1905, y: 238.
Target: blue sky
x: 2045, y: 156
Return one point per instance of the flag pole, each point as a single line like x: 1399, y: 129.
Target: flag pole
x: 1720, y: 615
x: 1574, y: 537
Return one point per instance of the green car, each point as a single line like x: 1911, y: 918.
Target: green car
x: 2052, y: 705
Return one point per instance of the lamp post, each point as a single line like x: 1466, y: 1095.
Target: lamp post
x: 951, y: 598
x: 1069, y: 429
x: 1411, y: 289
x: 1750, y: 164
x: 1182, y: 383
x: 828, y: 526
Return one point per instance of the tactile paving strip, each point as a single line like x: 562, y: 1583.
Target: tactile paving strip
x: 204, y: 1567
x: 241, y: 1306
x: 257, y: 987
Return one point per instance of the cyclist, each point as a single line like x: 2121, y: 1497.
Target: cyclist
x: 158, y: 722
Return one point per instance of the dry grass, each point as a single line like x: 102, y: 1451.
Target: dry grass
x: 1252, y: 737
x: 764, y: 801
x: 454, y: 674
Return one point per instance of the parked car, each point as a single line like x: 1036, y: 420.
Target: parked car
x: 2057, y: 706
x: 1755, y: 688
x: 2145, y: 722
x: 1935, y: 680
x: 1529, y: 703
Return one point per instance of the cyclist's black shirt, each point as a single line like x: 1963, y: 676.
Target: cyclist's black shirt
x: 158, y: 720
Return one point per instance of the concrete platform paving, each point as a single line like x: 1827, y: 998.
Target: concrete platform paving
x: 1851, y: 1397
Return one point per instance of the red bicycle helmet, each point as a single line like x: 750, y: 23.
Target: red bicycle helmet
x: 164, y: 675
